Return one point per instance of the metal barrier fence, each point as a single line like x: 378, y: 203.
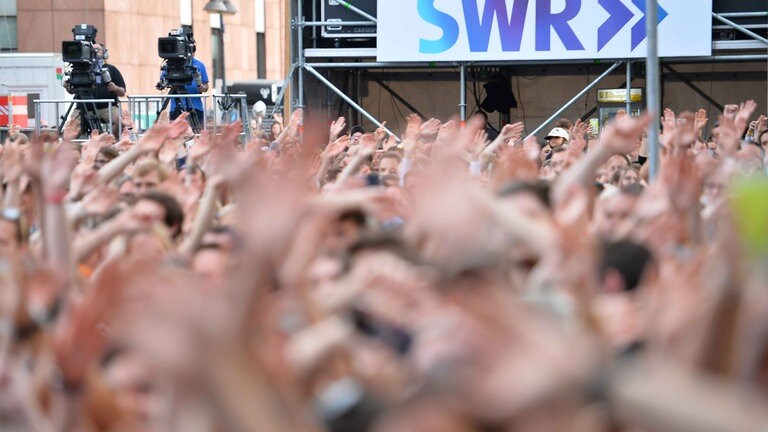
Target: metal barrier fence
x: 144, y: 110
x: 224, y: 110
x: 227, y: 109
x: 72, y: 102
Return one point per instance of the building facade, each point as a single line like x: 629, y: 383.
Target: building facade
x: 253, y: 37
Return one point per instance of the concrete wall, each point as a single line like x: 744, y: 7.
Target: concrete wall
x: 540, y: 96
x: 130, y: 29
x: 43, y: 24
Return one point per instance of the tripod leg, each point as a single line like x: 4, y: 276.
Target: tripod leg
x: 65, y: 117
x: 162, y: 107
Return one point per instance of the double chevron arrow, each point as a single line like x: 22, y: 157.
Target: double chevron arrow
x: 620, y: 16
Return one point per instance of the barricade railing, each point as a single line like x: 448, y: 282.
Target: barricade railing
x: 146, y: 108
x: 230, y: 107
x: 89, y: 103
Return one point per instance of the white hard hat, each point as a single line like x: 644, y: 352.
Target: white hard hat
x: 259, y: 109
x: 558, y: 132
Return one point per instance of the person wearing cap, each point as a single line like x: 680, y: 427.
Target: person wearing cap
x: 557, y: 137
x: 355, y: 133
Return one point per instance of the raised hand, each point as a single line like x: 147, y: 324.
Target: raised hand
x: 480, y: 142
x: 100, y: 200
x: 71, y: 129
x: 368, y: 144
x: 57, y: 164
x: 381, y: 134
x: 336, y: 147
x: 730, y: 111
x: 337, y: 127
x: 685, y: 133
x: 203, y: 145
x: 728, y: 136
x: 153, y: 139
x: 742, y: 116
x: 576, y: 141
x: 428, y: 130
x: 669, y: 122
x: 412, y: 128
x: 513, y: 132
x: 622, y: 136
x: 700, y: 121
x: 11, y: 161
x: 231, y: 132
x: 447, y: 133
x: 762, y: 125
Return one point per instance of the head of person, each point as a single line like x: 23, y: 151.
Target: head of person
x: 148, y: 175
x: 389, y: 164
x: 104, y: 156
x: 345, y: 231
x: 625, y: 176
x: 125, y: 189
x: 159, y: 207
x: 763, y: 140
x: 750, y: 159
x: 614, y: 163
x: 715, y: 185
x: 559, y: 160
x: 100, y: 50
x: 529, y: 198
x: 152, y: 245
x: 557, y: 137
x: 564, y: 123
x: 613, y: 208
x: 355, y: 133
x: 194, y: 177
x: 128, y: 378
x: 222, y: 236
x: 210, y: 262
x: 626, y: 268
x: 276, y: 129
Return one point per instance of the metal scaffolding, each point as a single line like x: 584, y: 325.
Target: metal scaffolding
x: 322, y: 59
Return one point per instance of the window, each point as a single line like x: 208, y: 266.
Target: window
x: 261, y: 56
x: 9, y: 39
x: 185, y: 12
x: 261, y: 43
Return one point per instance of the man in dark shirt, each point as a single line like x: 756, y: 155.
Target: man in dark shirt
x: 114, y: 89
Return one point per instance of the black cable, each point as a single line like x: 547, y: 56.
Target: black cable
x: 399, y: 115
x: 521, y: 104
x: 586, y: 101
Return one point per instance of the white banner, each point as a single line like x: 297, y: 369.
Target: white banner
x: 488, y: 30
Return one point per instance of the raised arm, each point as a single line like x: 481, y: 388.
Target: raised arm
x: 151, y: 142
x: 618, y: 138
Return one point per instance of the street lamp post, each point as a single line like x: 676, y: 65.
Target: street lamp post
x: 221, y: 8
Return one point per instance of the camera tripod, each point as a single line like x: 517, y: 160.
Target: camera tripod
x: 178, y: 93
x: 87, y: 113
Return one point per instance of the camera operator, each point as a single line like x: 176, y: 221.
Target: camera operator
x: 199, y: 85
x: 114, y: 89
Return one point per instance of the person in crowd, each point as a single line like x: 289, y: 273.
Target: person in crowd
x: 113, y: 89
x: 196, y: 86
x: 446, y: 282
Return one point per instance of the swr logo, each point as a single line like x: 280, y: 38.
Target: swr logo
x: 511, y: 25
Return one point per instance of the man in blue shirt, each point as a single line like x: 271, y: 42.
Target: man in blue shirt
x: 196, y: 86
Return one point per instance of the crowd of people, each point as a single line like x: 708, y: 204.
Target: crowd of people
x: 337, y: 279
